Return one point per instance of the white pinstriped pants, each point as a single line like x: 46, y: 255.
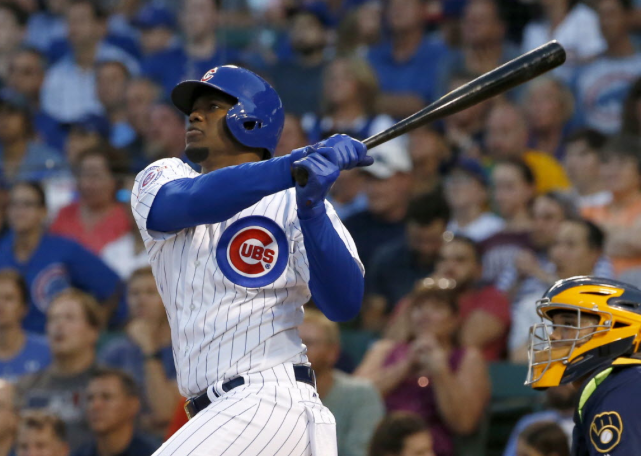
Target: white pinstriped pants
x: 271, y: 414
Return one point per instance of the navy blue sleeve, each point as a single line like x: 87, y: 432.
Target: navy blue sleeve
x: 335, y: 279
x: 217, y: 196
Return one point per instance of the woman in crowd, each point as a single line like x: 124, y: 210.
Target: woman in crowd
x: 426, y: 372
x: 97, y: 218
x: 145, y: 351
x: 50, y: 264
x: 350, y: 93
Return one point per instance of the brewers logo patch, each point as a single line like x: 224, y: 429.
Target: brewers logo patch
x: 605, y: 431
x: 252, y: 252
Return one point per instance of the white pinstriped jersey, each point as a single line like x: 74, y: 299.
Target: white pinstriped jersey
x: 234, y: 290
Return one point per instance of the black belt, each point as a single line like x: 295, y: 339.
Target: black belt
x: 302, y: 373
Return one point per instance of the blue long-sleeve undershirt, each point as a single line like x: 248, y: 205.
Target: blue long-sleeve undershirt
x: 335, y: 281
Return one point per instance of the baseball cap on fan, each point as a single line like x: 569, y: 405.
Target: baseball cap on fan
x: 387, y: 162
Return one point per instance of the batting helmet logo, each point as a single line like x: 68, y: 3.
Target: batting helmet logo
x: 252, y: 252
x: 208, y: 75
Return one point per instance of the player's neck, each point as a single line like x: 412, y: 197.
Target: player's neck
x: 215, y: 162
x: 116, y: 441
x: 12, y: 340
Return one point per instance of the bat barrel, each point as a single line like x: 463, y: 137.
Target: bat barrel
x: 506, y: 77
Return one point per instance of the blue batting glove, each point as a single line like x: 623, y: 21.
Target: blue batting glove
x: 345, y: 152
x: 322, y: 173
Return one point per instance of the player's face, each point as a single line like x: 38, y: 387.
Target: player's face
x: 568, y: 326
x: 68, y: 331
x: 108, y: 407
x: 207, y: 124
x: 419, y: 444
x: 144, y: 299
x: 457, y: 260
x: 39, y: 442
x: 12, y: 308
x: 25, y: 211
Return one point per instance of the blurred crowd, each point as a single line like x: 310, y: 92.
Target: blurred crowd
x: 461, y: 224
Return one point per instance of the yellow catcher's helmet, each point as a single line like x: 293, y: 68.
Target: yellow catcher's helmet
x: 587, y: 323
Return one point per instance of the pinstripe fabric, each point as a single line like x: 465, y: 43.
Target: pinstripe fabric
x: 270, y: 415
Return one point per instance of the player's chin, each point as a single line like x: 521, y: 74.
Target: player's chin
x: 196, y: 153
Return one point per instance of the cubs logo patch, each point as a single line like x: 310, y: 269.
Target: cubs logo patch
x: 208, y: 75
x: 252, y: 252
x: 151, y: 176
x: 605, y: 431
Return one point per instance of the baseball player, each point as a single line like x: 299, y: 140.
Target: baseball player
x: 236, y: 251
x: 590, y: 338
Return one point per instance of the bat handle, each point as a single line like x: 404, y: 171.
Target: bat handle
x: 300, y: 176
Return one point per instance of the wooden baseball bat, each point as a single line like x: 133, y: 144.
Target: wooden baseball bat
x: 501, y: 79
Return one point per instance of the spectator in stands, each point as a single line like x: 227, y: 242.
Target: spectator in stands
x: 466, y: 192
x: 406, y: 63
x: 577, y: 250
x: 574, y: 24
x: 112, y: 78
x: 69, y: 89
x: 483, y: 44
x: 113, y: 403
x: 543, y: 439
x: 560, y: 405
x: 399, y: 263
x: 621, y: 218
x: 26, y: 75
x: 4, y: 202
x: 41, y: 433
x: 141, y: 94
x: 293, y: 136
x: 360, y: 29
x: 145, y: 351
x: 548, y: 105
x: 426, y: 372
x: 428, y: 151
x: 90, y: 132
x: 583, y: 166
x: 465, y: 130
x: 355, y: 403
x: 632, y: 111
x: 50, y: 264
x: 73, y: 326
x: 48, y: 25
x: 156, y: 24
x: 484, y: 311
x: 603, y: 84
x: 532, y: 271
x: 387, y: 187
x: 22, y: 157
x: 165, y: 134
x: 198, y: 53
x: 402, y: 434
x: 512, y: 192
x: 21, y: 352
x: 13, y: 21
x: 309, y: 37
x: 97, y: 218
x: 507, y: 137
x: 8, y: 417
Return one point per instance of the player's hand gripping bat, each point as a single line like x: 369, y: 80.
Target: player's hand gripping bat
x: 506, y: 77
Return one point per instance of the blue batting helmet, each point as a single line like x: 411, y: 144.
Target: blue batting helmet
x: 258, y: 117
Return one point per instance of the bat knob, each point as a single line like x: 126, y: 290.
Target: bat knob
x: 301, y: 176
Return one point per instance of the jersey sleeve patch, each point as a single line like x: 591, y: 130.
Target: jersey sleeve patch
x: 606, y: 431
